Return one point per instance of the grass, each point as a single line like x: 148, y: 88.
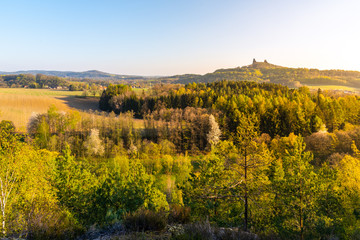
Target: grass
x: 18, y: 104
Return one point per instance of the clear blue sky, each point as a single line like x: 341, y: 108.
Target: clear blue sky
x: 174, y: 37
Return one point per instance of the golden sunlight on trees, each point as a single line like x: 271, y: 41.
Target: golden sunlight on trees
x: 28, y: 201
x: 165, y: 160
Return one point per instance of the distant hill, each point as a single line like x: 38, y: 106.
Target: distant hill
x: 267, y: 72
x: 92, y: 74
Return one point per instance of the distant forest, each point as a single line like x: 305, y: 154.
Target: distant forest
x: 49, y: 82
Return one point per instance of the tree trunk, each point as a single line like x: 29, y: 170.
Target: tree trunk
x: 246, y: 196
x: 301, y: 209
x: 3, y: 226
x: 301, y: 226
x: 3, y: 220
x: 3, y: 206
x: 301, y: 217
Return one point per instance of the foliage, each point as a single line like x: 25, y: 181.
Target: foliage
x: 73, y: 171
x: 294, y: 183
x: 278, y: 109
x: 29, y: 205
x: 109, y: 93
x: 31, y: 81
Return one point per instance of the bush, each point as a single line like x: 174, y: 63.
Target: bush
x: 145, y: 220
x: 53, y: 225
x: 179, y: 214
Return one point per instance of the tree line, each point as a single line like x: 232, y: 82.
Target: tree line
x: 277, y: 109
x: 53, y: 82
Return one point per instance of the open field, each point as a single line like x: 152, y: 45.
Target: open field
x: 18, y: 104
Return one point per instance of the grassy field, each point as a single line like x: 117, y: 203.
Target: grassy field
x: 18, y: 104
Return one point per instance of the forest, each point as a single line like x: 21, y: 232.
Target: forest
x: 32, y: 81
x: 219, y: 160
x: 73, y: 81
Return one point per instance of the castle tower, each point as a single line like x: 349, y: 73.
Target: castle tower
x: 254, y: 61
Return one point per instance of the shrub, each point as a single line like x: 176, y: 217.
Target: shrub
x: 53, y: 225
x: 145, y: 220
x: 179, y: 214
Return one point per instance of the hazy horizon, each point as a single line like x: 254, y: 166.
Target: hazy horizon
x: 162, y: 38
x: 159, y: 75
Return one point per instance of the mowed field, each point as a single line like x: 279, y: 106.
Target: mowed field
x: 18, y: 104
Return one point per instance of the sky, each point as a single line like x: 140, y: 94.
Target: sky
x: 153, y: 37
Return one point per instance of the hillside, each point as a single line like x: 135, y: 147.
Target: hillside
x: 267, y: 72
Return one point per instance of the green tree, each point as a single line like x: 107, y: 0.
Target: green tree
x: 209, y: 186
x: 250, y: 160
x: 295, y: 186
x: 28, y: 201
x: 9, y: 168
x: 127, y: 188
x: 75, y: 183
x: 42, y: 133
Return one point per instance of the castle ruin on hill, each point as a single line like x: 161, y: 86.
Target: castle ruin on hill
x: 254, y: 61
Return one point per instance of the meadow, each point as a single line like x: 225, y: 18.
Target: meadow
x: 18, y: 104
